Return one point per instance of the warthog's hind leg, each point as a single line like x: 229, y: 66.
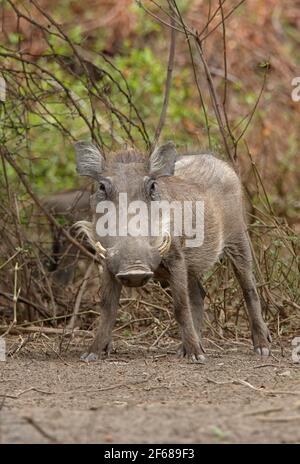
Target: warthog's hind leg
x: 239, y: 254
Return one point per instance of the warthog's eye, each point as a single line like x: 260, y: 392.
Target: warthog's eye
x: 104, y: 189
x: 151, y: 189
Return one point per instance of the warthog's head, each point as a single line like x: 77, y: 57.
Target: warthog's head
x: 122, y: 227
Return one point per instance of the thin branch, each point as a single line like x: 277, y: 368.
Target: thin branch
x: 188, y: 38
x: 72, y: 321
x: 163, y: 113
x: 216, y: 105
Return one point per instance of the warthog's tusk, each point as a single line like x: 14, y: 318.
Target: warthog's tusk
x: 87, y: 228
x: 164, y: 247
x: 100, y: 249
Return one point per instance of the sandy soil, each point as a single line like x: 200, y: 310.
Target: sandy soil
x: 141, y: 397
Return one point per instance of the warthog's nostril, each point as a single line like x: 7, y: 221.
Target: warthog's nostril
x: 134, y: 278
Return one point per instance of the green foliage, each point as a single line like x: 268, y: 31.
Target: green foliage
x: 52, y: 121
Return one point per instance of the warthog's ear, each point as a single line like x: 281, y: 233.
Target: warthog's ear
x: 162, y: 160
x: 89, y: 161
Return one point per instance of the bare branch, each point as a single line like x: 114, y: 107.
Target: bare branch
x: 163, y: 113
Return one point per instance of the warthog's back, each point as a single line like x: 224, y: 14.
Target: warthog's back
x: 209, y: 172
x: 72, y: 203
x: 215, y: 183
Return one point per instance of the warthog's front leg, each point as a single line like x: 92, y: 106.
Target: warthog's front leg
x: 191, y: 346
x: 110, y: 295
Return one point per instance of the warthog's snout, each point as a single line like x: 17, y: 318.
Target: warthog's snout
x: 134, y: 277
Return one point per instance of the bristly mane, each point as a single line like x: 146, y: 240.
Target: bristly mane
x: 127, y: 156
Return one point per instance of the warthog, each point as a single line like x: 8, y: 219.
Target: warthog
x: 69, y: 205
x: 133, y: 260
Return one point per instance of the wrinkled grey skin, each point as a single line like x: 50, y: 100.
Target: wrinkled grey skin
x: 187, y: 177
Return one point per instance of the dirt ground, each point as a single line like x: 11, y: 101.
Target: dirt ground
x: 137, y: 396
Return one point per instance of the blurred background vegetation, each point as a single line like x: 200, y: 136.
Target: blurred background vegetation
x: 97, y: 69
x: 262, y: 37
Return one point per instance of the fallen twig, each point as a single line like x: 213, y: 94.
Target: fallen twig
x: 38, y: 390
x: 247, y: 384
x: 280, y: 419
x: 46, y: 330
x: 37, y: 427
x: 262, y: 411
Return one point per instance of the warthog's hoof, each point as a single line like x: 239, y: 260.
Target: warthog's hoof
x: 197, y: 358
x: 94, y: 353
x: 262, y: 351
x: 193, y: 358
x: 261, y: 340
x: 89, y: 357
x: 193, y: 354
